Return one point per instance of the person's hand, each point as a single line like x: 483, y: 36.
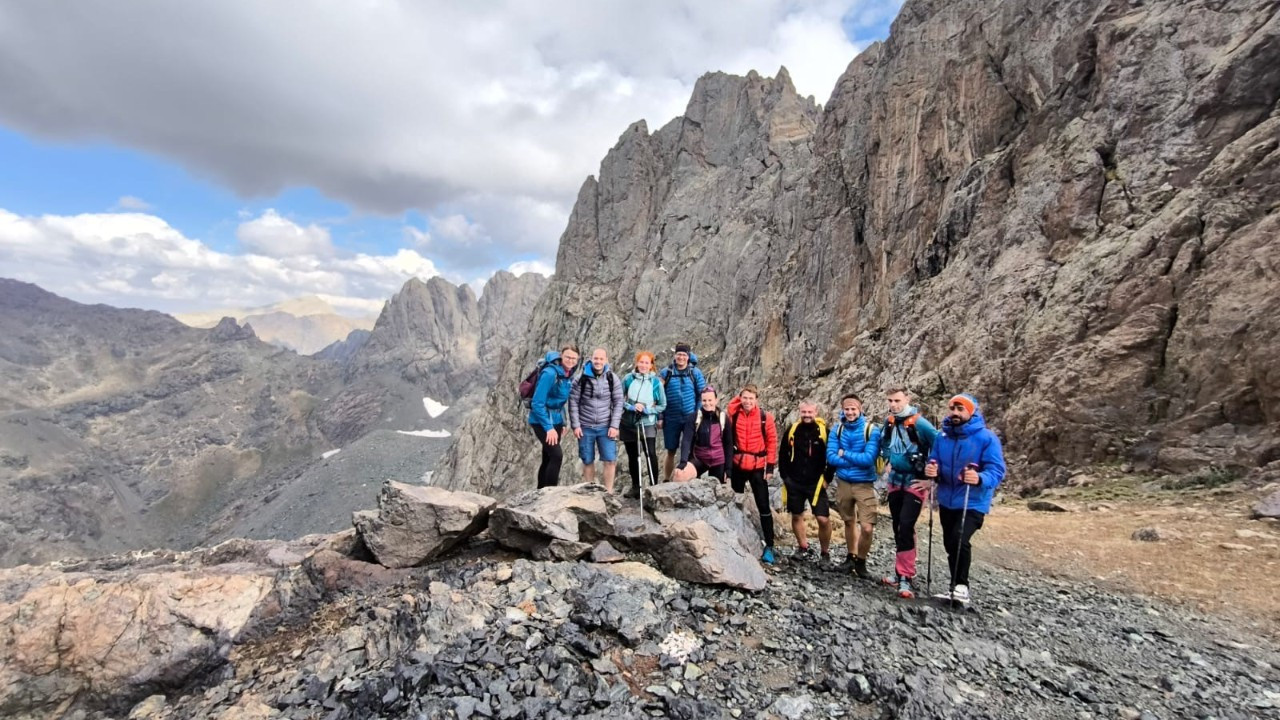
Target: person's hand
x: 840, y: 453
x: 613, y: 433
x: 768, y: 470
x: 553, y: 437
x: 923, y: 486
x: 577, y: 432
x: 971, y: 476
x: 639, y: 407
x: 659, y: 423
x: 931, y: 470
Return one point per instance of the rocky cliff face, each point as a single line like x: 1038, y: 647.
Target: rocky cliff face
x: 1069, y: 209
x: 440, y: 337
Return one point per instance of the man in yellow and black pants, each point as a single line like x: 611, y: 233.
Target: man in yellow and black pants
x: 802, y: 463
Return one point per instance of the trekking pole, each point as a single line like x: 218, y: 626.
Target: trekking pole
x: 964, y: 516
x: 643, y: 451
x: 928, y: 574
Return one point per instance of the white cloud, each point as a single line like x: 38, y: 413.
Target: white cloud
x: 532, y: 266
x: 489, y: 112
x: 129, y: 202
x: 279, y: 237
x: 134, y: 259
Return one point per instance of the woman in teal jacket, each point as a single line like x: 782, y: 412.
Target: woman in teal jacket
x: 546, y: 410
x: 643, y: 400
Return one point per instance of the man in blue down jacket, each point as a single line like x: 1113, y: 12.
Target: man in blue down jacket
x: 683, y: 384
x: 852, y: 447
x: 967, y: 464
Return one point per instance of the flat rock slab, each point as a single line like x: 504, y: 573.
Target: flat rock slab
x: 417, y: 523
x: 555, y: 523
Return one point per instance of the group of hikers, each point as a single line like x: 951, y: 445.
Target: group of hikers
x: 955, y: 468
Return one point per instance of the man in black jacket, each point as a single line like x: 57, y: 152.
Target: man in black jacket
x: 802, y: 462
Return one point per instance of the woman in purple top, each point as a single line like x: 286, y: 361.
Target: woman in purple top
x: 705, y: 447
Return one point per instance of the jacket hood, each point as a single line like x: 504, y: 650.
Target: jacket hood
x: 552, y: 359
x: 971, y: 426
x: 735, y: 406
x: 590, y: 370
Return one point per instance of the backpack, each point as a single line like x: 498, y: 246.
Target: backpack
x: 583, y: 384
x: 670, y: 371
x: 912, y: 434
x: 822, y: 435
x: 882, y: 462
x: 530, y: 382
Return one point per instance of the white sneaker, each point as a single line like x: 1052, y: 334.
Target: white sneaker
x: 961, y: 593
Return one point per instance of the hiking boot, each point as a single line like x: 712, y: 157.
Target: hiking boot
x: 904, y: 588
x: 802, y: 554
x: 860, y: 568
x: 825, y: 559
x: 633, y: 493
x: 767, y: 558
x: 961, y: 594
x: 891, y: 580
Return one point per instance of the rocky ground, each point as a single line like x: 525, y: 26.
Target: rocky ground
x: 486, y: 634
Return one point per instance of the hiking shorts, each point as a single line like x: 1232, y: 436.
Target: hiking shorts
x: 857, y: 502
x: 594, y: 438
x: 796, y: 497
x: 671, y: 427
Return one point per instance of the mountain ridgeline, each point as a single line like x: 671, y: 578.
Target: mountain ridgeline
x: 1068, y: 209
x: 124, y: 429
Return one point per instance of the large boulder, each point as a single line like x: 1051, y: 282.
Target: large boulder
x: 708, y: 538
x: 555, y: 523
x: 416, y: 523
x: 108, y: 632
x: 1269, y: 507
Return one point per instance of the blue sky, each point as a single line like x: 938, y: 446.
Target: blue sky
x: 144, y: 166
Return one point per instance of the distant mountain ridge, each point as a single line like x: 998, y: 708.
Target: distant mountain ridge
x: 123, y: 429
x: 305, y: 324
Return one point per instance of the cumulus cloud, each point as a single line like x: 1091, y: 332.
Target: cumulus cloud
x: 132, y: 259
x: 491, y: 112
x: 278, y: 237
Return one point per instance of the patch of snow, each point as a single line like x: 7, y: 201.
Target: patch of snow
x: 329, y: 453
x: 434, y: 409
x: 426, y: 433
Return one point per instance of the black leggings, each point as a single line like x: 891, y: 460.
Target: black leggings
x: 552, y: 455
x: 958, y: 550
x: 633, y: 458
x: 904, y: 508
x: 716, y: 471
x: 760, y: 491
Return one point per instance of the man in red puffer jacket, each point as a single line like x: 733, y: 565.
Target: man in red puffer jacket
x: 755, y: 455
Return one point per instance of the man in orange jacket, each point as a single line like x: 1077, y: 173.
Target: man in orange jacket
x: 755, y: 455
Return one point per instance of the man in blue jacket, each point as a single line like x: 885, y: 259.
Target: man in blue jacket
x: 967, y: 465
x: 546, y: 410
x: 683, y: 383
x: 851, y: 451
